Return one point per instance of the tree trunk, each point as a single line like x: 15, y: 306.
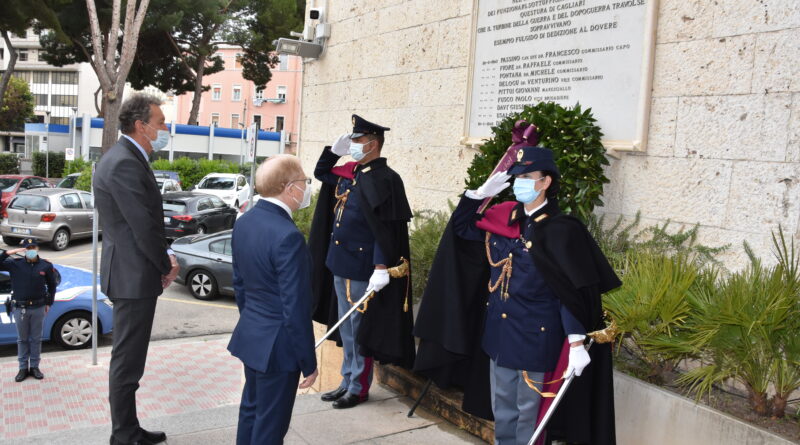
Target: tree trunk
x: 758, y: 401
x: 10, y: 70
x: 111, y: 105
x: 779, y: 405
x: 198, y: 90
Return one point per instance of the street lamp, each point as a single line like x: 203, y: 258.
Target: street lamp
x: 74, y: 126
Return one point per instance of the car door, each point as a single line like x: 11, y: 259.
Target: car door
x: 222, y: 263
x: 242, y: 189
x: 219, y: 214
x: 88, y: 210
x: 74, y: 214
x: 204, y: 214
x: 8, y: 327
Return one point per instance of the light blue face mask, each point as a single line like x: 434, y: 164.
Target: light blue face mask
x: 161, y: 140
x: 525, y: 190
x: 357, y: 150
x: 31, y: 254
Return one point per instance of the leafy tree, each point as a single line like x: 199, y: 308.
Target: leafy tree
x: 96, y: 32
x: 17, y: 105
x: 17, y: 17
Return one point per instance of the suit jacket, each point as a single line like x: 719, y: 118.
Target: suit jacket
x: 272, y: 281
x: 132, y: 218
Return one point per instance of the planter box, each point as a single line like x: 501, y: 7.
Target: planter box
x: 645, y: 413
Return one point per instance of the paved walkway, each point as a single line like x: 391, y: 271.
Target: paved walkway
x: 191, y: 390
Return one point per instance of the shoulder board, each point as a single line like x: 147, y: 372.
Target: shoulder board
x: 496, y: 220
x: 540, y: 218
x: 347, y: 170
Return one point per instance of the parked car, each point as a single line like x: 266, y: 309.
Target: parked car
x: 243, y: 207
x: 167, y: 185
x: 13, y: 184
x: 69, y: 181
x: 69, y: 321
x: 50, y: 215
x: 168, y: 174
x: 230, y: 187
x: 189, y: 213
x: 206, y: 264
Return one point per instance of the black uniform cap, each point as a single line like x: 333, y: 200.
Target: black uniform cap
x: 362, y: 126
x: 532, y: 159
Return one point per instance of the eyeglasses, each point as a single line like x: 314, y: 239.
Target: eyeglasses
x: 307, y: 181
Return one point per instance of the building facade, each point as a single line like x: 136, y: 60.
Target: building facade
x: 234, y: 102
x: 723, y: 149
x: 61, y: 93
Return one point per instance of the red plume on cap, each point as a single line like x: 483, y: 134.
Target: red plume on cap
x: 524, y: 134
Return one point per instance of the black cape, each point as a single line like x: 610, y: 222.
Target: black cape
x: 385, y: 332
x: 451, y: 317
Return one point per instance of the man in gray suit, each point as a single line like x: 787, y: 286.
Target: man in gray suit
x: 137, y: 264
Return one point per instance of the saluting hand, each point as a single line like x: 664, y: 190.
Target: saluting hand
x: 308, y: 381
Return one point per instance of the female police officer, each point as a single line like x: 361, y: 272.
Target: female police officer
x: 33, y: 282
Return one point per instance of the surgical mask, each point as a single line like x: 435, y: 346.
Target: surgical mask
x: 525, y: 190
x: 161, y: 140
x: 357, y: 150
x: 31, y: 254
x: 306, y: 198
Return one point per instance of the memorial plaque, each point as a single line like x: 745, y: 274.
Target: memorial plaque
x: 598, y: 53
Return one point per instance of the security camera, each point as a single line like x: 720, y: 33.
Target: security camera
x: 317, y: 14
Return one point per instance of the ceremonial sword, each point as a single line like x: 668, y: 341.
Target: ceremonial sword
x: 347, y: 315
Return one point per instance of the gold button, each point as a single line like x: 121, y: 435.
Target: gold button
x: 543, y: 329
x: 504, y: 316
x: 337, y: 242
x: 337, y: 224
x: 360, y: 249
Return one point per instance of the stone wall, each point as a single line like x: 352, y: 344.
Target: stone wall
x: 724, y: 142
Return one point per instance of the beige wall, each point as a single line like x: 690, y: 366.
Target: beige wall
x: 724, y: 143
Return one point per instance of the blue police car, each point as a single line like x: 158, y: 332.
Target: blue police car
x: 69, y: 321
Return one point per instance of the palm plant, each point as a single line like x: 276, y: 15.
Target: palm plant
x: 652, y: 304
x: 737, y: 330
x: 787, y: 368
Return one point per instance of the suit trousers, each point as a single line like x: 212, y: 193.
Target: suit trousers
x: 29, y: 335
x: 133, y: 322
x: 266, y: 407
x: 514, y: 404
x: 356, y: 369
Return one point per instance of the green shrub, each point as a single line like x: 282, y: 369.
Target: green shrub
x: 50, y: 165
x: 84, y: 181
x: 78, y: 165
x: 426, y: 232
x: 576, y: 143
x: 9, y: 164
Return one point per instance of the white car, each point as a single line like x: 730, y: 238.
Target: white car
x: 167, y: 185
x: 229, y: 187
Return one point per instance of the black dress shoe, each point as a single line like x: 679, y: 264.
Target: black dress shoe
x: 21, y: 375
x: 153, y: 436
x: 334, y: 395
x: 349, y: 401
x: 141, y: 441
x: 36, y: 373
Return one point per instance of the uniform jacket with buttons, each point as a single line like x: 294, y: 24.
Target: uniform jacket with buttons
x: 30, y: 280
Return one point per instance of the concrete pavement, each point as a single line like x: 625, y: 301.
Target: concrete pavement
x: 191, y: 390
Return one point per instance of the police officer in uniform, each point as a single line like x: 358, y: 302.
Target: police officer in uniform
x: 368, y: 235
x: 33, y: 282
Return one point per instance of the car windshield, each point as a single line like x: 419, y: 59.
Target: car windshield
x: 68, y: 182
x: 160, y: 182
x: 174, y: 206
x: 31, y: 202
x: 216, y: 184
x: 8, y: 184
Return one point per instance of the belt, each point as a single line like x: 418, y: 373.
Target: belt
x: 29, y: 303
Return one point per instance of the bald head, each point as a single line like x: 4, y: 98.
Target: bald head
x: 275, y: 173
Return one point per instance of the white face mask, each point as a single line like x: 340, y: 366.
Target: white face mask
x: 306, y: 198
x: 357, y: 150
x: 161, y: 140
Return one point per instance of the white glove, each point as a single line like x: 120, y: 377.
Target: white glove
x: 494, y: 185
x: 378, y: 280
x: 341, y: 146
x: 578, y: 360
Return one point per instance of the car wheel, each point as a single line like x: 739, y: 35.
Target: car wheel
x: 202, y: 285
x: 201, y: 230
x: 60, y: 239
x: 73, y: 330
x: 11, y: 241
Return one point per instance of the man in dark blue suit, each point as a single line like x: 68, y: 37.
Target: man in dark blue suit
x: 272, y: 279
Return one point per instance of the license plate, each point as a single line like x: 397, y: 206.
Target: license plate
x: 21, y: 231
x: 166, y: 220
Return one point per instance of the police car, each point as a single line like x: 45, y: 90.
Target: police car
x: 69, y: 321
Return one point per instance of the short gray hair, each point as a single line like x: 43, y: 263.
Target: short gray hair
x: 137, y: 108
